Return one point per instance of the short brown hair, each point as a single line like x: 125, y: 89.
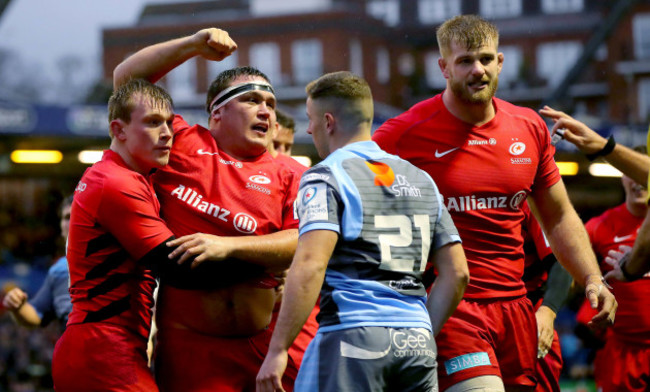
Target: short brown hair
x: 285, y: 120
x: 120, y: 104
x: 346, y: 94
x: 469, y: 30
x: 342, y: 85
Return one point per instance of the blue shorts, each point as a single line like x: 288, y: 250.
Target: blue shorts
x: 370, y: 359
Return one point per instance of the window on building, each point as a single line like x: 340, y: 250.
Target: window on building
x: 383, y: 65
x: 433, y: 74
x: 500, y: 8
x: 307, y: 60
x: 562, y: 6
x: 512, y: 62
x: 356, y: 57
x: 265, y: 56
x: 386, y: 10
x: 437, y: 11
x: 555, y: 59
x: 641, y: 29
x: 216, y: 67
x: 644, y: 99
x: 181, y: 82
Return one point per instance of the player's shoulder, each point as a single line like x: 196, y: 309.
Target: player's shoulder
x: 521, y: 113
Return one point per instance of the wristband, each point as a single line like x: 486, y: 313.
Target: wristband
x: 609, y: 147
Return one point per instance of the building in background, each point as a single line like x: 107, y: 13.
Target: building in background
x: 592, y: 58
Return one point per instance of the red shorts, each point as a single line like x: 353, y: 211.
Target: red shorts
x: 486, y: 338
x: 621, y: 366
x: 101, y: 357
x: 190, y: 362
x: 549, y: 368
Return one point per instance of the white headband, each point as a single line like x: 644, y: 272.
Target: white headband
x: 234, y: 91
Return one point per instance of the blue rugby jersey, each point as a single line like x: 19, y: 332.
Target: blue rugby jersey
x: 388, y: 214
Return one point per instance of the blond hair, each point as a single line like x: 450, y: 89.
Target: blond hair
x: 469, y: 30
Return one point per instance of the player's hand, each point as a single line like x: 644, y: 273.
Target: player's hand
x: 199, y: 247
x: 214, y: 44
x: 576, y: 132
x: 269, y: 378
x: 14, y: 299
x: 545, y: 317
x: 615, y: 258
x: 602, y: 299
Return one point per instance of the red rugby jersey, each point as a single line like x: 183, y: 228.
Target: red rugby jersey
x: 114, y: 223
x: 291, y: 163
x: 205, y: 190
x: 484, y: 173
x: 615, y: 227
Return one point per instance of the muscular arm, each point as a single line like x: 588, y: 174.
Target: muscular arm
x: 22, y: 311
x: 304, y: 282
x: 448, y: 288
x: 272, y: 251
x: 570, y: 244
x: 633, y: 164
x: 155, y: 61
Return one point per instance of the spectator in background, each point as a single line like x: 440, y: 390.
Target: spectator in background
x: 52, y: 301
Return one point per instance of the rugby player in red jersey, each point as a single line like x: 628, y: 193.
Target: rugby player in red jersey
x: 623, y: 364
x: 116, y: 240
x: 487, y: 156
x: 212, y: 317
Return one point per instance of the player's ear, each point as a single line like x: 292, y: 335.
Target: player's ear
x: 117, y: 129
x: 330, y: 122
x: 442, y: 63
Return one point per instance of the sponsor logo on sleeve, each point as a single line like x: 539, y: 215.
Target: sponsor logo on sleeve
x: 467, y: 361
x: 313, y: 204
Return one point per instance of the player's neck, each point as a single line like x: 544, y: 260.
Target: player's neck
x: 475, y: 114
x: 635, y: 209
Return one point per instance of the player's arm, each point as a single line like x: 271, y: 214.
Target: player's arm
x: 449, y: 286
x: 22, y: 311
x: 570, y: 244
x: 632, y: 264
x: 304, y: 282
x: 272, y: 251
x: 557, y: 289
x: 632, y: 163
x: 155, y: 61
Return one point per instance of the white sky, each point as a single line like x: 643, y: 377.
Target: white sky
x: 43, y: 31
